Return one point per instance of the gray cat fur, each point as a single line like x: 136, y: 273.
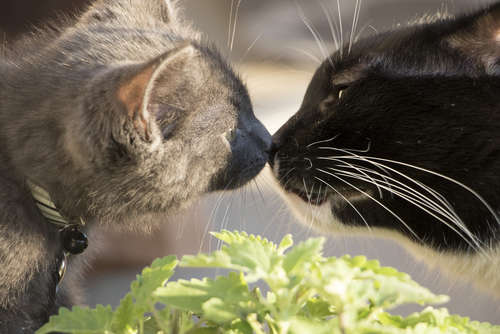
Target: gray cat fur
x: 73, y: 120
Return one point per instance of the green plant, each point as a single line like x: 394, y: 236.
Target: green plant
x: 305, y: 293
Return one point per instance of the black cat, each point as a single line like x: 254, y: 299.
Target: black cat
x: 399, y: 134
x: 118, y: 119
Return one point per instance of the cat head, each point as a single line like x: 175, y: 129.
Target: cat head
x: 148, y: 131
x: 400, y: 132
x: 161, y: 133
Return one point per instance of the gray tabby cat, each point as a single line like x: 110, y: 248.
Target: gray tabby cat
x: 122, y: 117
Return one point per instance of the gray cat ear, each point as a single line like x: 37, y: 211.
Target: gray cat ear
x: 165, y: 10
x: 136, y: 88
x: 480, y: 39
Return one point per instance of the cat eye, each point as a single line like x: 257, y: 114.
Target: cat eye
x: 341, y: 90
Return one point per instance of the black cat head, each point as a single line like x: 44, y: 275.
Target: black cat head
x: 401, y: 132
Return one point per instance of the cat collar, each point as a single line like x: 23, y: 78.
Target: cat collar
x: 72, y: 239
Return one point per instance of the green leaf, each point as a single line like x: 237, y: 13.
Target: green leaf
x: 125, y: 317
x: 221, y: 300
x: 316, y: 308
x: 253, y: 255
x: 302, y: 255
x: 80, y: 320
x: 150, y: 279
x: 285, y: 243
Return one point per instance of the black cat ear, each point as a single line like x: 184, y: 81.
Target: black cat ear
x: 480, y: 38
x: 136, y: 88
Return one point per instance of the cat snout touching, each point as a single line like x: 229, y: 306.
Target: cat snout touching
x: 249, y: 145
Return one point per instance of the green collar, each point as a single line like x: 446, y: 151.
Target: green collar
x: 72, y: 239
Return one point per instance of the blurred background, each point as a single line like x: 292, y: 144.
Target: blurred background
x: 275, y: 51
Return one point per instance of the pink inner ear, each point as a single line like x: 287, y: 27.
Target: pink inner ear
x: 132, y: 93
x: 497, y: 36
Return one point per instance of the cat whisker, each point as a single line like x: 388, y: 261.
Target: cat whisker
x: 225, y: 221
x: 357, y: 10
x: 236, y: 13
x: 385, y: 168
x: 463, y: 186
x: 317, y: 37
x: 229, y: 29
x: 366, y: 150
x: 375, y: 30
x: 211, y: 219
x: 360, y: 171
x: 281, y: 179
x: 250, y: 47
x: 259, y: 191
x: 341, y: 30
x: 308, y: 54
x: 354, y: 155
x: 376, y: 201
x: 344, y: 198
x: 453, y: 216
x: 424, y: 206
x: 322, y: 141
x: 431, y: 191
x: 361, y: 32
x: 331, y: 25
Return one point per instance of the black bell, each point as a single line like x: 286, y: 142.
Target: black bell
x: 74, y: 241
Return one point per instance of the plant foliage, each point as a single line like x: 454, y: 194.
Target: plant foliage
x: 305, y: 292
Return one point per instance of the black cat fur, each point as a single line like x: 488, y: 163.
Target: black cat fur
x: 427, y: 95
x: 124, y: 116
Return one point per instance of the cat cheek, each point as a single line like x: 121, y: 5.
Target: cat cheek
x: 327, y: 104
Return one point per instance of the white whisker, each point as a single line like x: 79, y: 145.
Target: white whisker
x: 345, y: 198
x: 440, y: 198
x: 361, y: 31
x: 360, y: 171
x: 357, y: 10
x: 376, y: 201
x: 237, y: 10
x: 323, y: 141
x: 341, y: 30
x: 470, y: 190
x: 330, y: 23
x: 424, y: 206
x: 315, y: 33
x: 230, y: 25
x: 353, y: 155
x: 308, y: 54
x: 250, y: 48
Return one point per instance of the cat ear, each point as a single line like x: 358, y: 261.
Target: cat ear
x: 480, y: 38
x: 165, y: 10
x: 137, y: 87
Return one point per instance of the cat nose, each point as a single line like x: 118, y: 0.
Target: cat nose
x: 262, y: 137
